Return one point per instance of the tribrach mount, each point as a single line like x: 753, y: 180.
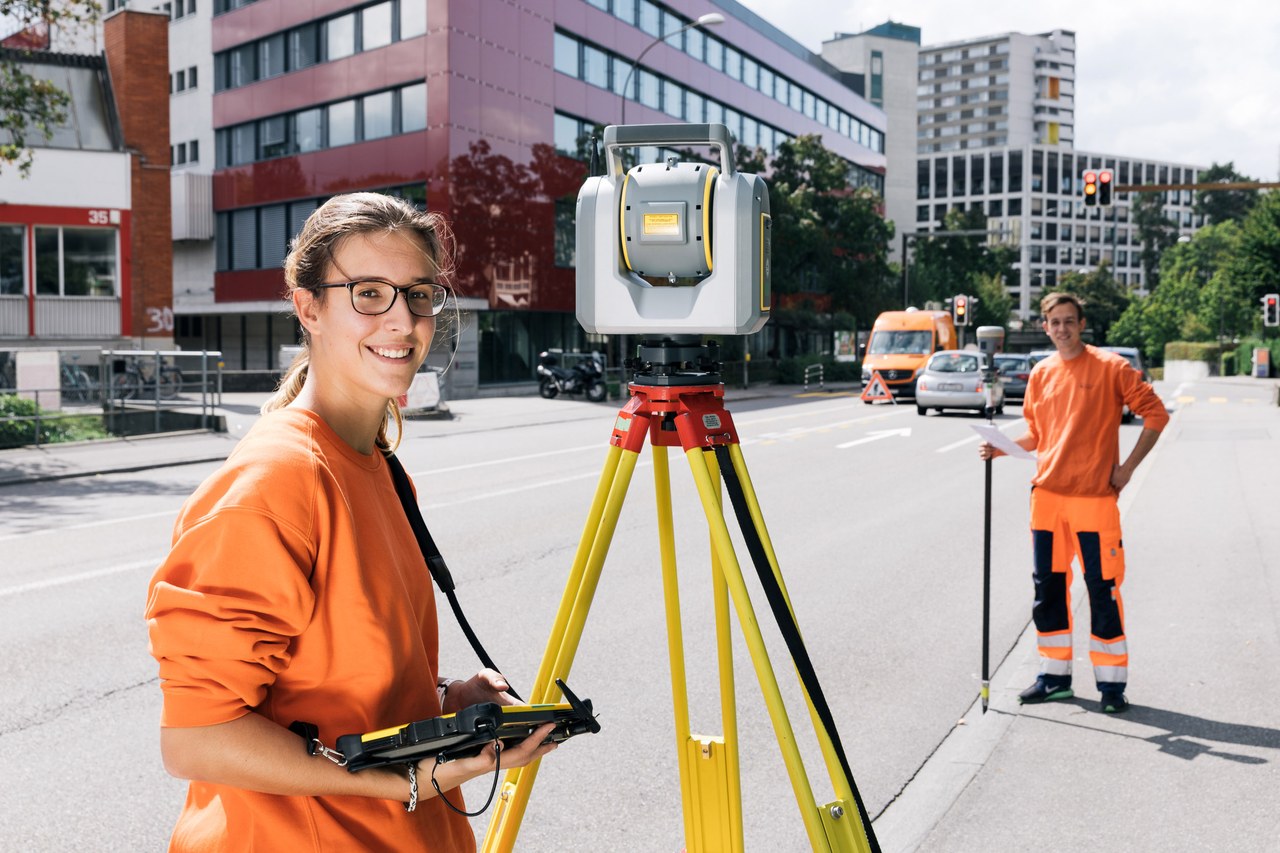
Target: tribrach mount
x: 679, y: 360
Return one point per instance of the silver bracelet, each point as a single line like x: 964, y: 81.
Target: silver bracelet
x: 442, y: 688
x: 413, y: 788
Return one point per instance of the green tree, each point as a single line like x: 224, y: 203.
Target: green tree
x: 828, y: 238
x: 994, y: 302
x: 1155, y: 233
x: 1253, y: 269
x: 1224, y: 205
x: 944, y: 265
x: 1196, y: 301
x: 31, y: 107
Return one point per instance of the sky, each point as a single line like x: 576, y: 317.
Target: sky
x: 1189, y: 81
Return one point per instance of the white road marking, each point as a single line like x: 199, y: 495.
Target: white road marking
x: 79, y: 577
x: 876, y: 435
x: 63, y: 528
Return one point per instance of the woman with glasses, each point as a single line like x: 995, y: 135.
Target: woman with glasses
x: 295, y: 589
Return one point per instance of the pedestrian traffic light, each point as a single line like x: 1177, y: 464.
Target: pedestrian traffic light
x: 960, y: 309
x: 1271, y: 309
x: 1105, y: 180
x: 1090, y: 179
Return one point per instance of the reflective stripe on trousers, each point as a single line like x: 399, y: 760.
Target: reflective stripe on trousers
x: 1088, y: 528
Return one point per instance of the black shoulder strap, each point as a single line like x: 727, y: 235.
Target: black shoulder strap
x: 435, y: 562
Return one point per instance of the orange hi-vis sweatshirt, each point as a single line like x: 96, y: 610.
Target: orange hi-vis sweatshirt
x: 1073, y: 409
x: 296, y: 589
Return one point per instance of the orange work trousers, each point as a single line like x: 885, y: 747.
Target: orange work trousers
x: 1063, y: 527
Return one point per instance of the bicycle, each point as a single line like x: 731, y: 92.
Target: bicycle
x: 133, y: 380
x: 77, y: 385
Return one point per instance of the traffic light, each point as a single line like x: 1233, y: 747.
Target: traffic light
x: 960, y: 309
x: 1105, y: 181
x: 1271, y: 309
x: 1090, y: 179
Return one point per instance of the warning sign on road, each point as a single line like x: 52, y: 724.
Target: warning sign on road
x: 876, y: 389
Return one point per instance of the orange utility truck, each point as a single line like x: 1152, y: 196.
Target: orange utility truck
x: 901, y: 343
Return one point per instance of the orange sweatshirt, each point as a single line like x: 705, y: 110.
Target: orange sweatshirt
x: 296, y: 588
x: 1073, y: 411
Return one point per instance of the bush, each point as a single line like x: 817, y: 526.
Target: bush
x: 791, y: 370
x: 1244, y: 354
x: 1192, y: 351
x: 16, y: 430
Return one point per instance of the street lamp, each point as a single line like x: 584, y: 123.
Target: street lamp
x: 708, y: 20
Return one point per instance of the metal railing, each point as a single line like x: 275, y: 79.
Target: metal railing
x: 121, y: 391
x: 812, y: 370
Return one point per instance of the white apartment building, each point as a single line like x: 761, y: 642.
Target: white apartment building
x: 1004, y: 90
x: 883, y: 62
x: 1032, y: 194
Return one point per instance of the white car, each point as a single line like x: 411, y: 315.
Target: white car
x: 957, y: 379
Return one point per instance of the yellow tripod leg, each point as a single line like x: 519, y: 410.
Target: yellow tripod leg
x: 710, y: 780
x: 675, y: 632
x: 732, y: 572
x: 571, y: 617
x: 842, y: 825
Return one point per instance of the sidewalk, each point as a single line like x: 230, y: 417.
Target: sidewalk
x: 1192, y: 766
x: 240, y: 411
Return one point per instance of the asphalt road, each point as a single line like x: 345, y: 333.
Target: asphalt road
x: 875, y: 514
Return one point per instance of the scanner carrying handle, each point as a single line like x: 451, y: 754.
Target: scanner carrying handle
x: 633, y: 135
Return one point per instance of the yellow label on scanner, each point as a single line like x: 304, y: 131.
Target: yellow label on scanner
x: 662, y: 224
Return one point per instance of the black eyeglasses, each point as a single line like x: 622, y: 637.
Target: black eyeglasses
x: 374, y: 296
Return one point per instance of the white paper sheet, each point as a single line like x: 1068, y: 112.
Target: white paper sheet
x: 993, y: 436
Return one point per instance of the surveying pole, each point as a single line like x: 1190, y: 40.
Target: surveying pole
x: 990, y: 342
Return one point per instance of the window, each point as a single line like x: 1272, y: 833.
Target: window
x: 11, y: 254
x: 340, y: 36
x: 193, y: 151
x: 650, y: 18
x: 179, y: 81
x: 273, y: 137
x: 243, y: 145
x: 413, y: 108
x: 715, y: 53
x: 271, y: 56
x: 178, y: 153
x: 342, y: 123
x: 695, y: 44
x: 191, y: 77
x: 244, y: 239
x: 375, y: 26
x: 595, y: 66
x: 413, y: 18
x: 274, y: 235
x: 304, y: 46
x: 566, y: 56
x: 377, y: 115
x: 307, y: 131
x: 566, y: 134
x: 75, y: 261
x: 240, y: 66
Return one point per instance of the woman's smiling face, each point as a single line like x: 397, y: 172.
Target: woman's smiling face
x: 369, y: 359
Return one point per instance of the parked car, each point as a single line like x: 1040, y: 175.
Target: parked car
x: 1014, y: 369
x: 956, y: 379
x: 1135, y: 359
x: 1038, y: 355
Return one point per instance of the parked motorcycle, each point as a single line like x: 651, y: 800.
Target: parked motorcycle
x: 585, y: 377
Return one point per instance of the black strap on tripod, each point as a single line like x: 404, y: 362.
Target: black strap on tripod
x: 787, y: 625
x: 435, y: 562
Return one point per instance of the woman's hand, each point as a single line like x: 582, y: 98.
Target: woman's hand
x: 451, y: 774
x: 487, y: 685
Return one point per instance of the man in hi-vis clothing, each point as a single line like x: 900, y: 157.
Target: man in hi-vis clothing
x: 1073, y: 405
